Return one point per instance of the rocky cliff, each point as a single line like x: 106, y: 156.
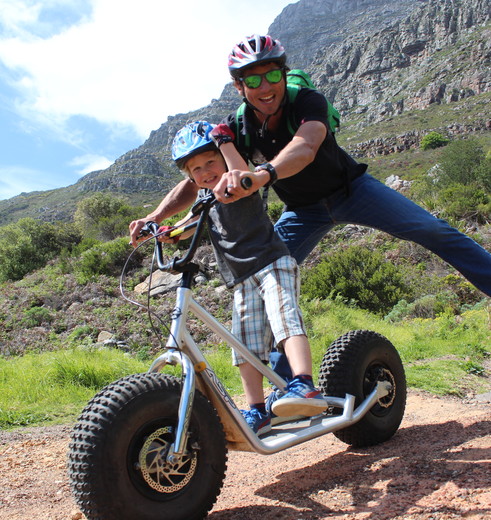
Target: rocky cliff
x: 374, y: 59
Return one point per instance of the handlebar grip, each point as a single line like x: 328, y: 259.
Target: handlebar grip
x: 246, y: 182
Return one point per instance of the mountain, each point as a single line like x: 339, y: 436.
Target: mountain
x: 376, y: 61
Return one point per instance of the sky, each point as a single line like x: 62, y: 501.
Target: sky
x: 84, y: 81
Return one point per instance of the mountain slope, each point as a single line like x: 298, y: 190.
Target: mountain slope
x: 374, y: 59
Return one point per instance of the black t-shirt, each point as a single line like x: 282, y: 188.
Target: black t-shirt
x: 243, y: 238
x: 332, y: 168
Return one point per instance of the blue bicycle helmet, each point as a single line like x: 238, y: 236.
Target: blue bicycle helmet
x: 192, y: 139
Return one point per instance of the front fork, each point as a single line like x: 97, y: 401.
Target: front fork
x: 173, y: 357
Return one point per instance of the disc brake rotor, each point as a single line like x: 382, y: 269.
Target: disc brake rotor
x: 158, y: 473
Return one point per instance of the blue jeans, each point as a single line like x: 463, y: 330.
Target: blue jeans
x: 375, y: 205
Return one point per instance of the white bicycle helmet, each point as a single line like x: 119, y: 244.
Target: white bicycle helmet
x: 254, y: 50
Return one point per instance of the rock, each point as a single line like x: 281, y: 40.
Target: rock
x: 161, y: 283
x: 105, y: 336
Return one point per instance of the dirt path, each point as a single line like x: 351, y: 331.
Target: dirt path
x: 437, y: 467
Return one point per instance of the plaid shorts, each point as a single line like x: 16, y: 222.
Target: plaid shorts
x: 266, y: 307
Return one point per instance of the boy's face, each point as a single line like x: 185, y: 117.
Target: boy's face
x: 206, y: 168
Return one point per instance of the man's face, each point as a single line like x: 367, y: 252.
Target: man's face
x: 267, y: 97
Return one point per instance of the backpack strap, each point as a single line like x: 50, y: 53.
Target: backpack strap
x: 242, y: 140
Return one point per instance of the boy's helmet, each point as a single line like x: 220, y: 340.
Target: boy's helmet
x: 254, y: 50
x: 192, y: 139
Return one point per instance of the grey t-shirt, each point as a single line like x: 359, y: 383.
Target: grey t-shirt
x: 243, y: 238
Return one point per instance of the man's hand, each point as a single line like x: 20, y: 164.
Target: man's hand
x: 135, y: 229
x: 231, y: 186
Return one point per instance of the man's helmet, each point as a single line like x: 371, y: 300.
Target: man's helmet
x: 254, y: 50
x: 192, y: 139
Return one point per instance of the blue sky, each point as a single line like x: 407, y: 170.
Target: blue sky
x: 84, y: 81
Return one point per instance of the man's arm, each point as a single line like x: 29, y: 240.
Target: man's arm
x: 177, y: 200
x: 296, y: 155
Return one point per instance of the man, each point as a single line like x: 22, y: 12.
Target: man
x: 320, y: 184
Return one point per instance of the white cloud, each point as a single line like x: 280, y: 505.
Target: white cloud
x: 125, y: 63
x: 89, y: 163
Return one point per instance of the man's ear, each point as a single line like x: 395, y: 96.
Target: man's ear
x: 239, y: 87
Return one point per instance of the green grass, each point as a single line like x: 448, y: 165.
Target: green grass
x: 444, y: 356
x: 52, y: 386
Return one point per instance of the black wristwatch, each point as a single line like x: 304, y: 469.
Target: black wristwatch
x: 273, y: 176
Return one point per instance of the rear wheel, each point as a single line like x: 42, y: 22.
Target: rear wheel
x: 354, y: 364
x: 118, y: 464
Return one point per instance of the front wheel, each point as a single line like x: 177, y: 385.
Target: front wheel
x: 354, y: 364
x: 118, y: 465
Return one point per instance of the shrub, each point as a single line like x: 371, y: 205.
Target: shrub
x: 104, y: 217
x: 275, y: 209
x: 29, y: 244
x: 465, y: 202
x: 433, y: 140
x: 463, y: 162
x: 103, y: 259
x: 358, y: 275
x: 36, y: 316
x: 428, y: 306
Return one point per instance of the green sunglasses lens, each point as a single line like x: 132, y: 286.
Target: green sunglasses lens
x: 253, y: 81
x: 273, y: 76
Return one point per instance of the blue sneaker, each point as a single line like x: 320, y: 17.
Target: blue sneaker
x: 300, y: 399
x: 275, y: 419
x: 258, y: 422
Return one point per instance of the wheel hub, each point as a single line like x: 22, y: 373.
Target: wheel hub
x: 387, y: 400
x: 158, y: 473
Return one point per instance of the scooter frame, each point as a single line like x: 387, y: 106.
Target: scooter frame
x: 181, y: 349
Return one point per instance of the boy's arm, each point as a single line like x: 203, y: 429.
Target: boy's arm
x: 177, y: 200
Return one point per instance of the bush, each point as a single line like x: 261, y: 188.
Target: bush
x: 358, y: 275
x: 103, y: 259
x: 465, y: 202
x: 433, y: 140
x: 36, y: 316
x: 104, y: 217
x: 428, y: 306
x: 275, y: 209
x: 29, y: 244
x: 464, y: 162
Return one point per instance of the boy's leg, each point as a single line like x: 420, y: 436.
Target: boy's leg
x: 252, y: 381
x: 301, y: 398
x: 256, y: 417
x: 280, y: 288
x: 250, y: 326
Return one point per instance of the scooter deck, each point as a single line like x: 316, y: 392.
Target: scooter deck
x: 291, y: 427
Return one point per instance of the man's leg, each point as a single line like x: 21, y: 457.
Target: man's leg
x: 375, y: 205
x: 301, y: 230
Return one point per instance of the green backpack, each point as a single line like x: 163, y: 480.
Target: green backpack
x: 296, y: 79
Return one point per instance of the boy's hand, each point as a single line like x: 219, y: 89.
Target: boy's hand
x: 165, y: 237
x: 222, y: 134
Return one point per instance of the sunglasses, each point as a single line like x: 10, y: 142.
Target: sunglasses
x: 254, y: 80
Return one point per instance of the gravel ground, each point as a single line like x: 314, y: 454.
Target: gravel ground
x: 437, y: 467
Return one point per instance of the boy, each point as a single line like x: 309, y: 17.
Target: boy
x: 255, y: 262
